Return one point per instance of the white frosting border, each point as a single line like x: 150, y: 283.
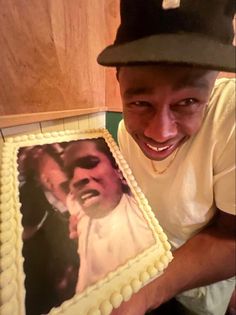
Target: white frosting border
x: 135, y: 274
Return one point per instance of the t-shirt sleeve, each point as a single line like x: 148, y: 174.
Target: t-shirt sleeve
x: 120, y: 133
x: 224, y: 165
x: 127, y: 145
x: 123, y: 140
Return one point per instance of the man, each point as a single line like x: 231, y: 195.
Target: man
x: 50, y: 257
x: 179, y: 124
x: 99, y: 192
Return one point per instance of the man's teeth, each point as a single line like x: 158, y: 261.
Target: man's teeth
x: 87, y: 195
x: 158, y: 149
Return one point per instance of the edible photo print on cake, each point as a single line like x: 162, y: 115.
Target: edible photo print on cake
x: 84, y: 237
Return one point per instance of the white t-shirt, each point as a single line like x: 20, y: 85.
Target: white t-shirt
x: 108, y: 242
x: 201, y: 177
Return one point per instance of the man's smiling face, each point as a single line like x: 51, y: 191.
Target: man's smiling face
x: 164, y: 105
x: 94, y: 182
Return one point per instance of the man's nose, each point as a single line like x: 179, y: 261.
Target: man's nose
x: 161, y: 127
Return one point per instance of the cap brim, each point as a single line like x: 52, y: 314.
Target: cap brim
x: 188, y: 49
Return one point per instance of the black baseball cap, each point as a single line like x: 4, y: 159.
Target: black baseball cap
x: 189, y: 32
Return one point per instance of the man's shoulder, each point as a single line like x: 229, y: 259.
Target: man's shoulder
x: 123, y: 134
x: 225, y: 86
x: 222, y: 101
x: 121, y: 126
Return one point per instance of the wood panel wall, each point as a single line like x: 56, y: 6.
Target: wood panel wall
x: 112, y: 15
x: 48, y: 59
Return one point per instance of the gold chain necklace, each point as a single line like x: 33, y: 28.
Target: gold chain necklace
x: 168, y: 165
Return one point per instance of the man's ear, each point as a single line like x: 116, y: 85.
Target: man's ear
x: 45, y: 181
x: 121, y: 177
x: 119, y: 174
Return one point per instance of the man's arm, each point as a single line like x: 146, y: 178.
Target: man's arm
x: 206, y: 258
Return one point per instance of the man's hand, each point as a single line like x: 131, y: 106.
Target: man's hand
x: 74, y: 219
x: 73, y: 222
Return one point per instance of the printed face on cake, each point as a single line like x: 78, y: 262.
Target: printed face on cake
x: 94, y: 181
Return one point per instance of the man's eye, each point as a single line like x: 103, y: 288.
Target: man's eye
x: 187, y: 102
x: 88, y: 162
